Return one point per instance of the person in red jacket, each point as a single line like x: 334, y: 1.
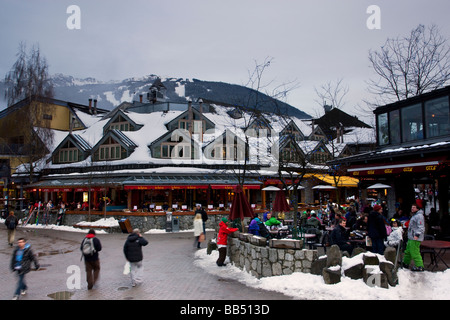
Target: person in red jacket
x: 222, y: 240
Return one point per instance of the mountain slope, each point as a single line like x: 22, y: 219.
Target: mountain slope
x: 111, y: 94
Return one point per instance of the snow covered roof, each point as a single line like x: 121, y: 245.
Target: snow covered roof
x: 154, y: 125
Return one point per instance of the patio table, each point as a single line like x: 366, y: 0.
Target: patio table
x: 439, y: 248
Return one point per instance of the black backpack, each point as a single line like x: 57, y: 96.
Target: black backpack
x: 12, y: 224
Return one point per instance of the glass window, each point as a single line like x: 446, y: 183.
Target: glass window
x: 394, y: 126
x: 412, y: 124
x: 437, y: 117
x: 165, y: 151
x: 383, y: 129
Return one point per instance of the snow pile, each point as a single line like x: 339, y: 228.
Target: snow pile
x: 412, y: 285
x: 104, y: 222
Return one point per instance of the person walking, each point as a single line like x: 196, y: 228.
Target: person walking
x: 21, y: 261
x: 204, y: 217
x: 11, y: 223
x: 222, y: 241
x: 416, y: 233
x: 133, y: 253
x: 90, y: 247
x: 198, y: 229
x: 376, y: 229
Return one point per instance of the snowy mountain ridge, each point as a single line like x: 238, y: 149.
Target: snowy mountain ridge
x: 109, y: 94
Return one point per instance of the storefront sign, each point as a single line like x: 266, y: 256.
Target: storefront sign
x: 395, y: 168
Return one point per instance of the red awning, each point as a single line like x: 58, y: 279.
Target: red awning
x: 227, y: 186
x: 56, y: 189
x: 168, y: 187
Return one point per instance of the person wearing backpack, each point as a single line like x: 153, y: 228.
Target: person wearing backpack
x: 11, y: 223
x: 90, y: 246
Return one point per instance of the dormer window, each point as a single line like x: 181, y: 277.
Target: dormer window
x: 68, y: 153
x: 110, y: 150
x: 120, y: 124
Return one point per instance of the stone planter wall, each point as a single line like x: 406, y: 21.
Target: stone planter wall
x: 143, y: 221
x: 264, y: 261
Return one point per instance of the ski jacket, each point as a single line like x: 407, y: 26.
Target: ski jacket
x: 133, y: 247
x: 376, y: 227
x: 394, y: 237
x: 198, y: 227
x: 8, y: 221
x: 338, y: 236
x: 224, y: 231
x: 253, y: 228
x: 22, y: 258
x: 416, y: 226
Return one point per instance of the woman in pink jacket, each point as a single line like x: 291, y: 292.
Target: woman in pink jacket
x: 222, y: 240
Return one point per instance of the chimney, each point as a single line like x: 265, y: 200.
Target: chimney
x: 90, y: 106
x: 140, y: 98
x: 200, y: 108
x: 95, y: 106
x: 190, y: 114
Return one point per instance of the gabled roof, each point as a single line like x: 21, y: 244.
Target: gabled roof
x: 295, y: 126
x: 77, y: 141
x: 120, y: 137
x: 124, y: 115
x: 168, y: 134
x: 185, y: 113
x: 336, y: 117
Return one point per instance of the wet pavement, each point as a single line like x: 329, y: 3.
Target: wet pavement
x: 169, y: 270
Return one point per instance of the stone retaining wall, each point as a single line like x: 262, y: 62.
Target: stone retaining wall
x: 143, y: 221
x: 264, y: 261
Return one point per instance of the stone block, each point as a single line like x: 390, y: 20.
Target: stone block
x: 387, y: 268
x: 355, y: 272
x: 332, y: 275
x: 318, y: 265
x: 370, y: 259
x: 245, y: 236
x: 390, y: 254
x: 285, y: 244
x: 258, y: 241
x: 334, y: 256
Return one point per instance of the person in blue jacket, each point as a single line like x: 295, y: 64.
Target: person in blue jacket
x: 21, y: 261
x: 253, y: 227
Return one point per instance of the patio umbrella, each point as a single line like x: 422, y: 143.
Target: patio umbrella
x: 240, y: 207
x: 379, y: 186
x: 270, y: 188
x: 324, y: 187
x: 280, y: 204
x: 292, y: 187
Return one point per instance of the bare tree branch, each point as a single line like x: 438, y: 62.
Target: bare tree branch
x: 411, y: 65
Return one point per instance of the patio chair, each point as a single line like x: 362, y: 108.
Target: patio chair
x: 324, y: 242
x: 311, y: 241
x: 424, y: 251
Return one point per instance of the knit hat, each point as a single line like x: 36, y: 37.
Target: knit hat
x: 224, y: 220
x: 376, y: 207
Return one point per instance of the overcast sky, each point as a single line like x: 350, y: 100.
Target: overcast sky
x: 311, y: 42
